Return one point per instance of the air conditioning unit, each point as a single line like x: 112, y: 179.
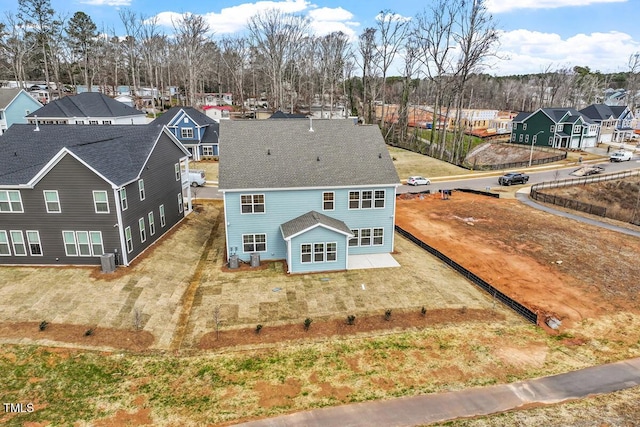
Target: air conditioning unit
x: 255, y: 260
x: 108, y: 263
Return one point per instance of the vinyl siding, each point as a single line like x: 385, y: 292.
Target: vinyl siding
x: 284, y: 205
x: 160, y: 187
x: 75, y: 184
x: 318, y: 235
x: 17, y: 110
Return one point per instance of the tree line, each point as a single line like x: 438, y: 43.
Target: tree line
x: 439, y: 57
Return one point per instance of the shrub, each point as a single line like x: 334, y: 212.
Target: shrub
x: 307, y: 323
x: 43, y: 325
x: 89, y: 332
x: 387, y: 315
x: 423, y: 311
x: 351, y: 319
x: 258, y: 329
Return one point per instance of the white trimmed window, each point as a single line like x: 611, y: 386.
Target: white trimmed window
x: 524, y: 126
x: 5, y: 249
x: 207, y: 150
x: 252, y: 203
x: 141, y: 189
x: 33, y: 240
x: 365, y: 237
x: 354, y: 200
x: 355, y: 240
x: 84, y: 246
x: 52, y: 201
x: 152, y: 224
x: 379, y: 196
x: 17, y: 240
x: 11, y: 201
x: 318, y: 252
x: 332, y: 252
x: 552, y: 128
x: 93, y: 122
x: 124, y: 205
x: 163, y: 219
x: 254, y: 243
x: 577, y: 129
x: 305, y: 253
x: 106, y: 122
x: 143, y: 230
x: 550, y: 140
x: 176, y: 169
x: 180, y: 203
x: 526, y: 138
x: 366, y: 199
x: 101, y: 202
x: 328, y: 201
x: 70, y: 246
x: 515, y: 126
x: 378, y: 236
x: 186, y: 133
x: 513, y: 137
x: 97, y: 247
x: 129, y: 239
x: 521, y: 137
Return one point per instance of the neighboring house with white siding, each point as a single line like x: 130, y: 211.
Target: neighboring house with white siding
x: 69, y: 194
x: 312, y: 193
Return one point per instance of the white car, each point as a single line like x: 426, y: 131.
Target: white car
x: 418, y: 180
x: 621, y: 156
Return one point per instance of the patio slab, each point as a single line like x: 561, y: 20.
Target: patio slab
x: 360, y: 262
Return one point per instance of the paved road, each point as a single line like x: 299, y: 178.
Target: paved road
x: 417, y: 410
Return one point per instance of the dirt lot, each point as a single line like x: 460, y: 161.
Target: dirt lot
x: 557, y: 266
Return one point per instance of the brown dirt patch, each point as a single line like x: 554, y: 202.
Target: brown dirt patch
x: 555, y: 266
x: 277, y: 394
x: 141, y: 417
x: 339, y: 327
x: 75, y: 334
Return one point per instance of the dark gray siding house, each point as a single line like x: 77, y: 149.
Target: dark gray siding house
x: 69, y: 194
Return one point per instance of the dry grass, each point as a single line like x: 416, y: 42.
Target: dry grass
x: 209, y: 167
x: 408, y: 163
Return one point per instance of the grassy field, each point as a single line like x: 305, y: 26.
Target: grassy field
x: 408, y: 163
x: 209, y: 167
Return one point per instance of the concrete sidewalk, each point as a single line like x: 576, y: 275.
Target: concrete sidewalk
x: 418, y: 410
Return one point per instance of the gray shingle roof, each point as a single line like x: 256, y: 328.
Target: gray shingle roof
x: 309, y: 220
x: 283, y: 153
x: 598, y: 112
x: 521, y: 116
x: 557, y: 114
x: 88, y: 104
x: 7, y: 95
x: 116, y: 152
x: 200, y: 119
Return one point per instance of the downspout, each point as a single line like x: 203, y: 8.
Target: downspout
x: 120, y: 226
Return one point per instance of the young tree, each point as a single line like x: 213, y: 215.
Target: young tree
x: 81, y: 36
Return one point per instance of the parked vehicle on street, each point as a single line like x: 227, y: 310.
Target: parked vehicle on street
x: 418, y: 180
x: 513, y: 178
x: 197, y: 178
x: 621, y: 156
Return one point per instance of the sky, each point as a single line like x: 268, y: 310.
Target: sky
x: 535, y: 35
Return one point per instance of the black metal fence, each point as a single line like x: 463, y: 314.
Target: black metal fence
x: 583, y: 180
x: 520, y: 309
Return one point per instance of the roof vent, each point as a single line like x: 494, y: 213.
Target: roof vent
x: 318, y: 158
x: 379, y: 155
x: 268, y: 151
x: 311, y: 124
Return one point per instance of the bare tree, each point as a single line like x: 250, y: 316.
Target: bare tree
x: 333, y: 51
x: 392, y: 30
x: 15, y: 46
x: 633, y: 81
x: 130, y: 45
x: 235, y: 56
x: 368, y: 58
x: 191, y: 33
x: 276, y: 38
x: 410, y: 63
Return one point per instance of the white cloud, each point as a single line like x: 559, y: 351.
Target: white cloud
x: 107, y: 2
x: 393, y: 17
x: 532, y: 52
x: 500, y: 6
x: 234, y: 19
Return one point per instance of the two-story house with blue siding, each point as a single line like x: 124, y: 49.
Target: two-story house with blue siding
x: 15, y: 105
x: 615, y: 122
x: 313, y: 193
x: 69, y: 194
x: 195, y: 130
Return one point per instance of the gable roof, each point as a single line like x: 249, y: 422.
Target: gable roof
x: 7, y: 96
x: 566, y: 115
x: 599, y: 112
x: 118, y: 153
x: 521, y: 116
x: 196, y: 116
x: 282, y: 115
x: 87, y: 104
x: 283, y: 153
x: 311, y: 220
